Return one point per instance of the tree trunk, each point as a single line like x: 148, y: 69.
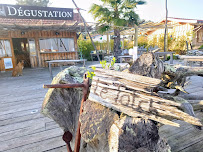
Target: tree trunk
x: 117, y: 42
x: 109, y: 131
x: 148, y: 65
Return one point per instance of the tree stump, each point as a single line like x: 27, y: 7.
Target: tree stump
x: 63, y: 105
x: 108, y: 130
x: 102, y: 129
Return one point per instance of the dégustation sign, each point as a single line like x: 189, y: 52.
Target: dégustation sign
x: 35, y: 12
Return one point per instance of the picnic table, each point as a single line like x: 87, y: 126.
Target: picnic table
x: 187, y: 58
x: 165, y: 53
x: 61, y: 62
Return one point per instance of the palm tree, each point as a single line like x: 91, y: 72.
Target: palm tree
x: 115, y: 14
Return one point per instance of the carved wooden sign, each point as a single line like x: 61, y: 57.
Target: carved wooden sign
x: 133, y: 95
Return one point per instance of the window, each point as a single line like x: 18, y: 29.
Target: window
x: 56, y: 45
x: 5, y: 48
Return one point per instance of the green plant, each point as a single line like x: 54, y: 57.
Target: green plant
x: 174, y: 57
x: 110, y: 65
x: 113, y: 61
x: 103, y: 63
x: 91, y: 74
x: 86, y: 47
x: 113, y: 14
x: 142, y: 41
x: 201, y: 47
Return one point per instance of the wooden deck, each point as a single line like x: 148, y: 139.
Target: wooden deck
x: 186, y: 138
x: 24, y: 129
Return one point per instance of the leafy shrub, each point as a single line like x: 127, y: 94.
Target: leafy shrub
x: 86, y: 47
x: 201, y: 47
x: 174, y: 57
x: 142, y: 41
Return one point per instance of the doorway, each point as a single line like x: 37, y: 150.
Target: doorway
x: 21, y: 51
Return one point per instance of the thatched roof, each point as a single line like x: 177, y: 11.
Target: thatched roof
x: 74, y: 25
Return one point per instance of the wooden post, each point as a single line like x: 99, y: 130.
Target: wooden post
x: 108, y: 48
x: 38, y: 52
x: 12, y: 50
x: 123, y: 43
x: 136, y: 36
x: 166, y: 34
x: 86, y: 29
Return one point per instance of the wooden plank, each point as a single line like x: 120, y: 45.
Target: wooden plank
x: 131, y: 77
x: 196, y: 147
x: 179, y: 142
x: 22, y: 118
x: 54, y: 144
x: 132, y: 100
x: 32, y: 129
x: 59, y: 149
x: 21, y: 125
x: 28, y: 111
x: 17, y: 97
x: 41, y: 136
x: 183, y: 137
x: 17, y: 108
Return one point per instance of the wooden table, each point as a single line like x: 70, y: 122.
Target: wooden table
x: 61, y: 62
x: 187, y: 58
x: 165, y: 53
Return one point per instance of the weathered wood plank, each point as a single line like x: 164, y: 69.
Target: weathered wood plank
x: 196, y: 147
x: 130, y: 111
x: 16, y: 98
x: 29, y: 139
x: 9, y: 110
x: 21, y: 125
x: 131, y: 77
x: 50, y: 144
x: 114, y: 91
x: 32, y: 129
x: 28, y: 111
x: 21, y: 119
x: 183, y: 137
x: 58, y: 149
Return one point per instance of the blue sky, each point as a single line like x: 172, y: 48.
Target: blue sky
x: 153, y: 10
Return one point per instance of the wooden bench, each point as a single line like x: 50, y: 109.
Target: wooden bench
x: 165, y: 53
x: 124, y: 57
x: 191, y: 59
x: 61, y: 62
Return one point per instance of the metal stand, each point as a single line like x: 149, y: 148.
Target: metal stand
x: 67, y: 136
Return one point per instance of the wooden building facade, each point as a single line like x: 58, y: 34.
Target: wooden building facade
x: 37, y: 40
x: 198, y: 34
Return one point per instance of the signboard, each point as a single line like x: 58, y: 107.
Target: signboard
x: 34, y: 12
x: 134, y: 96
x: 8, y: 63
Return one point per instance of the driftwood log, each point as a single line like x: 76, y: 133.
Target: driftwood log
x: 102, y: 129
x: 172, y: 77
x: 63, y: 105
x: 122, y: 110
x: 133, y: 97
